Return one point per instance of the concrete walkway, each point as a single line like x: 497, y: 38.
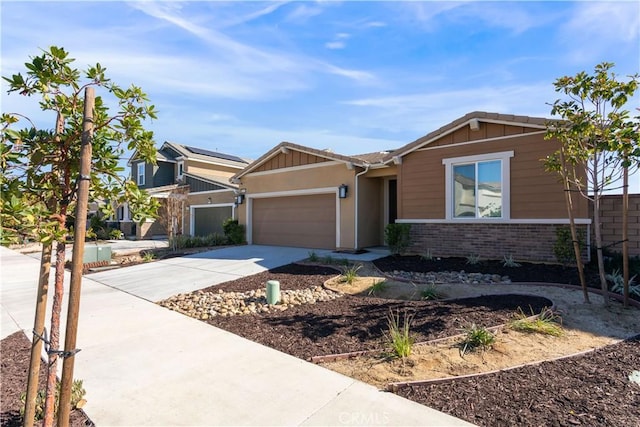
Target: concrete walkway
x: 145, y: 365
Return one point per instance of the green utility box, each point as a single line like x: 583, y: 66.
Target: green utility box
x: 273, y: 292
x: 94, y: 253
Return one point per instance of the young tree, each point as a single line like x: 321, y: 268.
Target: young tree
x: 40, y: 170
x: 590, y: 133
x: 171, y: 213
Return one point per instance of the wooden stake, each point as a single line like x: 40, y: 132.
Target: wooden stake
x: 38, y: 331
x: 76, y: 261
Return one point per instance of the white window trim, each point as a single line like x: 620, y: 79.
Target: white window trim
x: 139, y: 166
x: 505, y: 157
x: 180, y: 171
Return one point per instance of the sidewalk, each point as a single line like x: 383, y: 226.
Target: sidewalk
x: 145, y: 365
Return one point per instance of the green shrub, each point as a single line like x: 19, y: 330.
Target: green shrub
x: 617, y: 283
x: 508, y: 261
x: 473, y: 259
x: 233, y: 231
x: 77, y: 399
x: 115, y: 234
x: 313, y: 257
x: 563, y: 246
x: 397, y: 237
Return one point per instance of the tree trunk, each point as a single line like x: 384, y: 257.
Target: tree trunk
x: 599, y: 250
x: 572, y: 227
x: 54, y: 339
x: 38, y: 331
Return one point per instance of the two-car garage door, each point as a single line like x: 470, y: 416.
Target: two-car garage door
x: 307, y: 221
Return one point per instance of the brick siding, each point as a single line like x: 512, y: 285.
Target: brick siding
x: 525, y: 242
x: 611, y: 214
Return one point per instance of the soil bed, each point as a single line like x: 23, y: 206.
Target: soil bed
x: 357, y: 323
x: 589, y: 390
x: 15, y: 350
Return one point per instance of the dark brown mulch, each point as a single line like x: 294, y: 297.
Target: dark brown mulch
x: 588, y: 390
x: 15, y: 352
x: 357, y: 323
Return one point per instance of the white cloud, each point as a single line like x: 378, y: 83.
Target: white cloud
x: 335, y: 45
x: 424, y: 112
x: 375, y: 24
x: 302, y: 13
x: 596, y: 28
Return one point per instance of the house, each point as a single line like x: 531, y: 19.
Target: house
x: 201, y: 175
x: 475, y: 186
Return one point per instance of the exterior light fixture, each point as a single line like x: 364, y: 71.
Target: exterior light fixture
x: 209, y: 200
x: 239, y: 199
x: 342, y: 191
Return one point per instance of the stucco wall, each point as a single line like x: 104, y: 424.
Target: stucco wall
x: 326, y: 175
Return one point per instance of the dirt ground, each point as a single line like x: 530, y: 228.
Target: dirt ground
x: 585, y: 326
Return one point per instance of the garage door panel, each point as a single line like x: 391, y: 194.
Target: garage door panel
x: 208, y: 220
x: 304, y: 221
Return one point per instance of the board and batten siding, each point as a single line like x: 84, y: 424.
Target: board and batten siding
x: 535, y: 193
x: 291, y: 159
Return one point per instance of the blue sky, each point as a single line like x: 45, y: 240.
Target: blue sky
x: 350, y: 76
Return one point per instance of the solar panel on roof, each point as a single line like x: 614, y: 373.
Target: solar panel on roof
x: 223, y: 156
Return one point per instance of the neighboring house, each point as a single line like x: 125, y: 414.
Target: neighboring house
x: 475, y: 186
x: 201, y: 174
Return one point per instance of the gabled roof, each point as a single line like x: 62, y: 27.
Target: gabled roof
x: 358, y: 160
x: 481, y: 116
x: 197, y: 153
x: 171, y: 152
x: 220, y: 180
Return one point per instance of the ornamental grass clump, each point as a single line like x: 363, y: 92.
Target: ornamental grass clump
x: 431, y: 292
x: 399, y: 333
x: 378, y: 287
x: 350, y: 274
x: 476, y: 337
x: 547, y: 322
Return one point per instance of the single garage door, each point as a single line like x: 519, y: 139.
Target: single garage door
x: 302, y: 221
x: 208, y: 220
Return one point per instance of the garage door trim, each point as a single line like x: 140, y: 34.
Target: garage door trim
x: 308, y: 192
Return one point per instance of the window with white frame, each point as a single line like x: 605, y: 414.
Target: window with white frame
x: 477, y: 187
x: 180, y: 169
x: 140, y: 174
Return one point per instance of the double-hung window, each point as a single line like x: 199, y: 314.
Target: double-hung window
x: 477, y: 187
x: 140, y: 173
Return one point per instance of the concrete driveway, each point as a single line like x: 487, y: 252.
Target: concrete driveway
x: 159, y: 280
x: 145, y: 365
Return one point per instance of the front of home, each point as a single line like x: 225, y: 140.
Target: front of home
x: 476, y: 186
x: 197, y: 180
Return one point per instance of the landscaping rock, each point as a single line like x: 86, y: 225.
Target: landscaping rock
x: 450, y: 277
x: 204, y: 305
